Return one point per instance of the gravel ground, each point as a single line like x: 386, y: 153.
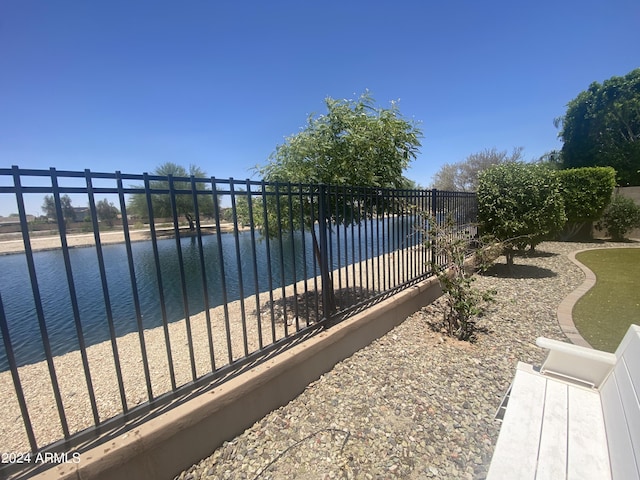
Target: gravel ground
x: 413, y: 404
x: 36, y: 383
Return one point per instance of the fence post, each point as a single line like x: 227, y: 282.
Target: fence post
x: 328, y: 299
x: 434, y: 218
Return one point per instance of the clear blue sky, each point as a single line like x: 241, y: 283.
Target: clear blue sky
x: 127, y: 85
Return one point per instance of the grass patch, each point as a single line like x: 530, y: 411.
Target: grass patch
x: 604, y: 313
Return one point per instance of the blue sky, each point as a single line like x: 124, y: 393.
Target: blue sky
x: 127, y: 85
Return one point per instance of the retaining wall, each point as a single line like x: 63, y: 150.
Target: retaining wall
x: 173, y: 441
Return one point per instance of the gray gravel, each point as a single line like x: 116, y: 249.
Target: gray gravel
x: 413, y: 404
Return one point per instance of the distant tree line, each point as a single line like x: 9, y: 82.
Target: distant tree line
x: 105, y: 210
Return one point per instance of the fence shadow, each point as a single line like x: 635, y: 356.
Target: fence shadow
x: 535, y: 254
x: 307, y: 306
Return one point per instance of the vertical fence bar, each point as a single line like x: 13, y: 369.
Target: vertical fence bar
x: 395, y: 229
x: 315, y: 254
x: 304, y: 255
x: 386, y: 238
x: 13, y: 367
x: 267, y: 239
x: 403, y: 236
x: 236, y: 238
x: 425, y: 238
x: 281, y: 258
x: 73, y: 296
x: 413, y: 228
x: 367, y: 220
x: 105, y: 289
x: 134, y: 285
x: 329, y: 211
x: 378, y: 251
x: 346, y: 220
x: 360, y: 261
x: 156, y: 260
x: 353, y: 241
x: 338, y: 245
x: 183, y: 281
x: 434, y: 219
x: 203, y: 271
x: 416, y: 232
x: 327, y: 284
x: 383, y: 232
x: 254, y: 261
x: 294, y: 280
x: 37, y: 298
x: 223, y: 277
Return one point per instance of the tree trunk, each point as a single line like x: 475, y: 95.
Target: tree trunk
x: 189, y: 218
x: 327, y: 280
x: 509, y: 254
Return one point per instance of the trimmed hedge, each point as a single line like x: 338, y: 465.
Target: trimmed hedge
x: 586, y: 192
x: 520, y: 204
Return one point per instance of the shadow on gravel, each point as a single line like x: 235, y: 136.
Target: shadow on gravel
x: 519, y: 271
x: 536, y: 254
x: 307, y: 306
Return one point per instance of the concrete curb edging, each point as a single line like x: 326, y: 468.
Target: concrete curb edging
x: 172, y: 442
x: 565, y: 309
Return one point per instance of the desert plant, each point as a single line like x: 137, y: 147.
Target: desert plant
x: 620, y: 217
x: 463, y: 302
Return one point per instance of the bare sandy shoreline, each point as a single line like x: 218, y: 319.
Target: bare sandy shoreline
x: 211, y: 350
x: 52, y: 242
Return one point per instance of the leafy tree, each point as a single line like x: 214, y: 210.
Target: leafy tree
x: 107, y: 212
x: 161, y: 202
x: 620, y: 217
x: 519, y: 204
x: 585, y: 192
x: 49, y: 208
x: 408, y: 184
x: 355, y: 144
x: 602, y: 127
x: 551, y: 160
x: 463, y: 176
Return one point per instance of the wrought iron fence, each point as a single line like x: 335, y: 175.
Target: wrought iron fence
x: 143, y: 312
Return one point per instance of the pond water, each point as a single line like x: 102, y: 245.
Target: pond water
x: 20, y: 309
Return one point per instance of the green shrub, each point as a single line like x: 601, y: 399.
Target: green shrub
x: 620, y: 217
x: 586, y: 192
x: 87, y: 225
x: 519, y: 204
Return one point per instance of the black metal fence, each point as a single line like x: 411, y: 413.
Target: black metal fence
x: 144, y: 313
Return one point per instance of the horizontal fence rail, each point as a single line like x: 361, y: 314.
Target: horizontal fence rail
x: 137, y: 290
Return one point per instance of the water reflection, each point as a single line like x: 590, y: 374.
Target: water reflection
x: 291, y: 260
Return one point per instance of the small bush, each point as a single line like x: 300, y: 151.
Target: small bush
x: 620, y: 217
x: 464, y: 303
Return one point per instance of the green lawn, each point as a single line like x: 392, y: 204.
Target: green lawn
x: 604, y: 314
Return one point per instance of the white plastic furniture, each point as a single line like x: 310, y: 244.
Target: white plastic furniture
x: 577, y: 417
